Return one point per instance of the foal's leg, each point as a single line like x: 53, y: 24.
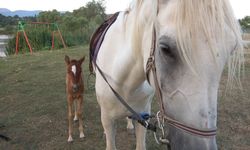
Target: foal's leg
x: 130, y: 126
x: 79, y: 115
x: 70, y: 118
x: 140, y: 132
x: 75, y: 105
x: 109, y: 130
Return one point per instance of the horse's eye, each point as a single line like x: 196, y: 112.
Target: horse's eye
x: 166, y: 50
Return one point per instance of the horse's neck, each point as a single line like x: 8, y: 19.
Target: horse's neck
x: 119, y: 60
x: 134, y: 69
x: 129, y: 69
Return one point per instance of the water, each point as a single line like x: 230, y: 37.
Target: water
x: 3, y: 42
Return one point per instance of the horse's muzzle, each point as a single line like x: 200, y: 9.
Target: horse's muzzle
x: 180, y: 140
x: 75, y: 88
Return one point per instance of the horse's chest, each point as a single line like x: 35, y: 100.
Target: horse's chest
x: 141, y: 94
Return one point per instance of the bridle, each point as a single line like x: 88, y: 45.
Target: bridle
x: 150, y: 66
x: 142, y: 118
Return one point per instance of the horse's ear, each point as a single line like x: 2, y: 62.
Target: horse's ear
x: 67, y: 60
x: 82, y: 59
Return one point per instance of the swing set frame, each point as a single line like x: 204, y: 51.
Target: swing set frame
x: 21, y: 29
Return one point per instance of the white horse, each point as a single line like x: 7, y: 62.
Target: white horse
x: 191, y: 42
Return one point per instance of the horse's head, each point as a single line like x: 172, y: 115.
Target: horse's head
x: 74, y: 74
x: 194, y: 40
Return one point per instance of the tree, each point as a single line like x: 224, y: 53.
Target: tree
x: 76, y: 27
x: 49, y: 16
x: 92, y: 9
x: 245, y: 24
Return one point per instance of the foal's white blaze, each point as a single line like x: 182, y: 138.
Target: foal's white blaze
x: 73, y: 69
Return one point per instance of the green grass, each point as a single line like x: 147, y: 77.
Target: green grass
x: 33, y: 108
x: 33, y: 105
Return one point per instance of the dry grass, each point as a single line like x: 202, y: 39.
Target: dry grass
x: 247, y: 56
x: 233, y: 113
x: 246, y: 36
x: 33, y: 108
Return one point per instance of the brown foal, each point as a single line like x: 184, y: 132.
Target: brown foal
x: 74, y: 89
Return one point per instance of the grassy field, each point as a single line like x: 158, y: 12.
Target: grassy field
x: 33, y: 108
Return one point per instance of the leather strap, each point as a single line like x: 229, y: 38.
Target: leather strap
x: 150, y: 66
x: 140, y: 117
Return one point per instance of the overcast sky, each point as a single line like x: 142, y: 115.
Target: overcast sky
x: 241, y: 7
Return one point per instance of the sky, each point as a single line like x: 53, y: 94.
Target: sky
x: 241, y: 7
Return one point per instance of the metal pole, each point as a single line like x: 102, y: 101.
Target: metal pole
x: 64, y: 45
x: 27, y: 41
x: 21, y: 29
x: 53, y: 42
x: 17, y: 41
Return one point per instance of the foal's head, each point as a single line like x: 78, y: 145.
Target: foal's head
x: 74, y: 74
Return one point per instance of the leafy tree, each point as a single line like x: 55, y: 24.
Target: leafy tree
x: 245, y: 23
x: 8, y: 24
x: 92, y: 9
x: 76, y: 27
x: 7, y: 21
x: 49, y: 16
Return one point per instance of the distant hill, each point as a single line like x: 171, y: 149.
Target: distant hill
x: 20, y: 13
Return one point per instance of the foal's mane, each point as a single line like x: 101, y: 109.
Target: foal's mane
x: 193, y: 18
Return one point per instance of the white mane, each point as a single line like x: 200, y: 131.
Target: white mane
x: 193, y: 18
x: 209, y: 18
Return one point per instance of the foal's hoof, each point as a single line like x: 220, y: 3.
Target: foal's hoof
x: 70, y: 139
x: 75, y: 118
x: 82, y: 135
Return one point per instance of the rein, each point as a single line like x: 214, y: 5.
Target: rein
x: 142, y: 118
x: 150, y: 66
x: 95, y: 44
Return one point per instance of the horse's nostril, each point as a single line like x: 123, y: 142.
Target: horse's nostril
x: 75, y: 87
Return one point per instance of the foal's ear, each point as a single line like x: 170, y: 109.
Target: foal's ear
x: 82, y: 59
x: 67, y: 60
